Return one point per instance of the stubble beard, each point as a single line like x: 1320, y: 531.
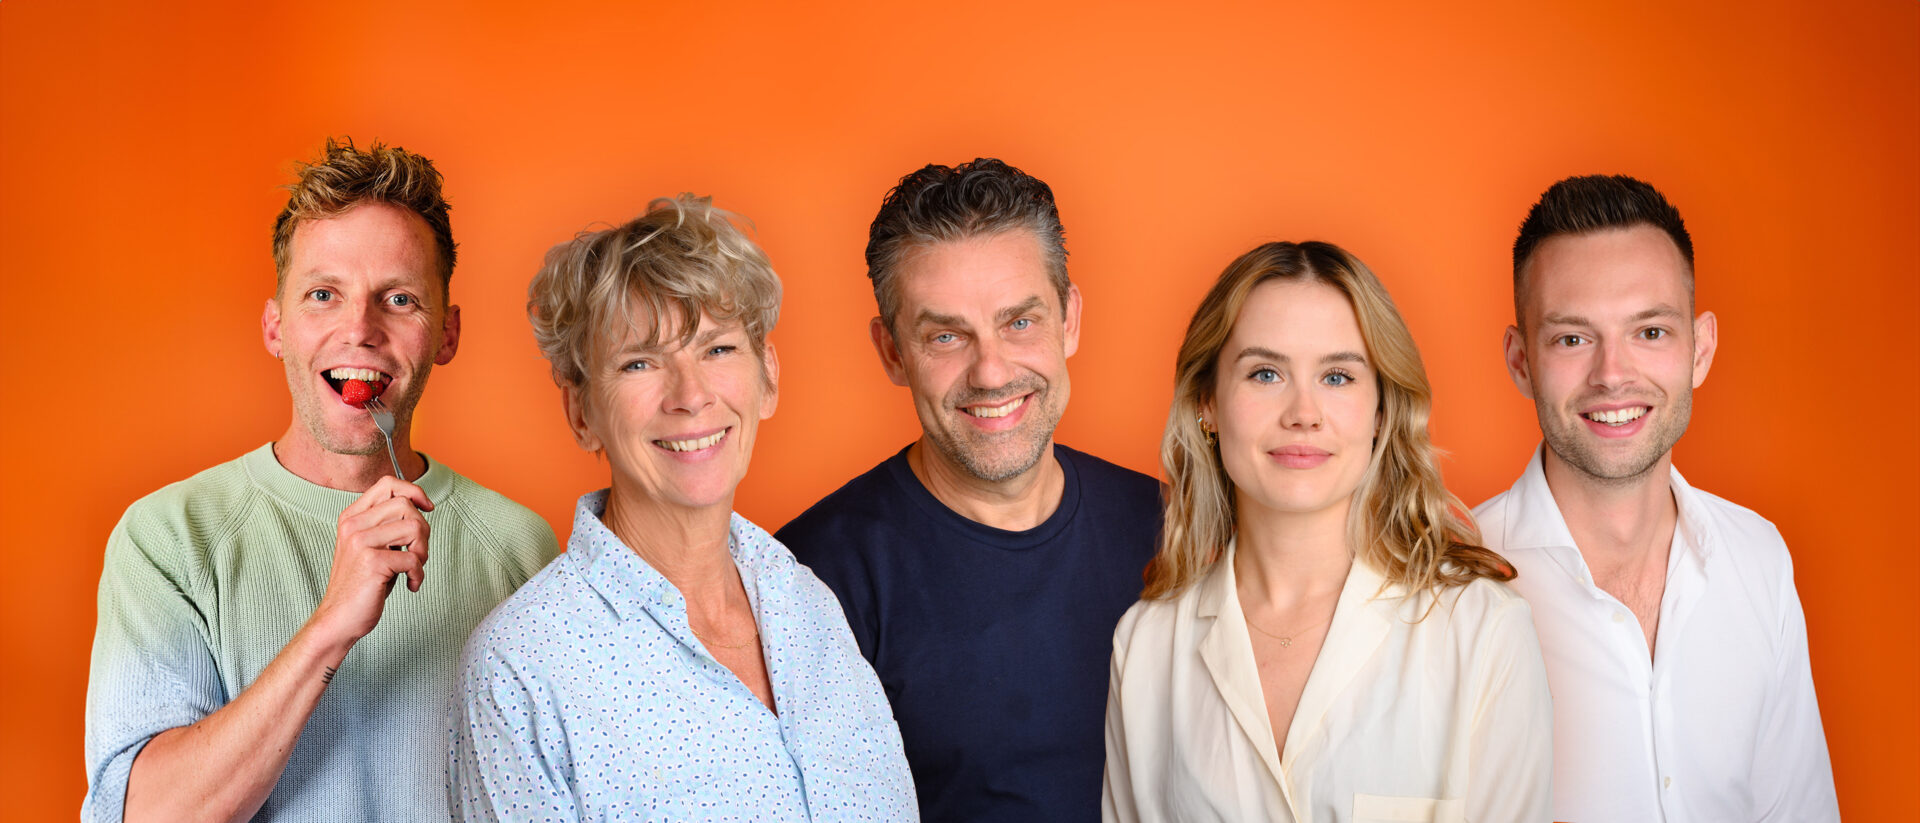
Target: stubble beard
x: 1574, y: 447
x: 312, y: 413
x: 1002, y: 456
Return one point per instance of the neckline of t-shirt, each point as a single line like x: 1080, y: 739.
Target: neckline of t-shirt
x: 980, y: 532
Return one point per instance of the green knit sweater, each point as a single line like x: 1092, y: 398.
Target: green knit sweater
x: 206, y: 580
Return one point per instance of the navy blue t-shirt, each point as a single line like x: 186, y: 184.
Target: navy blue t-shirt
x: 992, y: 645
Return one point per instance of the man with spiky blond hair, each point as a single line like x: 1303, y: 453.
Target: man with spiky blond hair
x: 251, y: 659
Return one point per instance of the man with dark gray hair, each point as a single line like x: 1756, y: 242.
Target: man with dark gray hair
x: 1674, y: 640
x: 983, y: 567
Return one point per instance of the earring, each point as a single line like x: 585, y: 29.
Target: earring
x: 1204, y: 428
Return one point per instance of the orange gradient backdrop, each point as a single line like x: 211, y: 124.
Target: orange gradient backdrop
x: 142, y: 144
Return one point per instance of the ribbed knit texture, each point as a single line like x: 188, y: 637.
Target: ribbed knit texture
x: 206, y: 580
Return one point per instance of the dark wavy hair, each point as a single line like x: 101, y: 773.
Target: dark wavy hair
x: 977, y: 199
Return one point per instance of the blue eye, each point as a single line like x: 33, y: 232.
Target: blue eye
x: 322, y: 295
x: 401, y: 300
x: 718, y: 351
x: 1264, y: 375
x: 1022, y: 324
x: 1337, y: 379
x: 637, y: 365
x: 944, y: 338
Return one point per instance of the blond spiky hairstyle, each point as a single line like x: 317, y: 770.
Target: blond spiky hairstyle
x: 345, y: 177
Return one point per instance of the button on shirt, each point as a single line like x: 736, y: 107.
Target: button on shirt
x: 586, y: 696
x: 1720, y: 723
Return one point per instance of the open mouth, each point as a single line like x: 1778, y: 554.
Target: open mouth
x: 693, y: 444
x: 357, y: 386
x: 1001, y: 410
x: 1617, y: 417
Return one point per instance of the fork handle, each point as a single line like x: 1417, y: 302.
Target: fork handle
x: 399, y: 580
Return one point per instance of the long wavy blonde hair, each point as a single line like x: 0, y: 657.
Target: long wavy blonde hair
x: 1406, y: 525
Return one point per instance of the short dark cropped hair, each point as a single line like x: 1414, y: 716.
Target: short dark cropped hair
x: 977, y: 199
x: 1579, y: 205
x: 345, y: 177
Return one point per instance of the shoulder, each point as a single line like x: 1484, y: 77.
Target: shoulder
x: 1482, y: 616
x: 1100, y: 474
x: 512, y: 530
x: 536, y: 623
x: 188, y: 516
x: 1152, y: 622
x: 1740, y: 530
x: 871, y: 500
x: 1491, y: 516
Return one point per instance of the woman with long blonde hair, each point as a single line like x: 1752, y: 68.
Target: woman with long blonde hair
x: 1321, y: 638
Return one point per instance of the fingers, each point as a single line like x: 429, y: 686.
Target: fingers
x: 388, y: 488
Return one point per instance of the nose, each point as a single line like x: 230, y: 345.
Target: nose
x: 990, y: 369
x: 688, y: 391
x: 362, y: 324
x: 1612, y: 365
x: 1302, y: 411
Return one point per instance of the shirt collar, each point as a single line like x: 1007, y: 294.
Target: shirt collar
x: 1535, y: 521
x: 631, y: 587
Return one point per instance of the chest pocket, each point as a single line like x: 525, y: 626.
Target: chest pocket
x: 1374, y: 808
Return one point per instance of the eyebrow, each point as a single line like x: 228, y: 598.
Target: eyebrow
x: 1662, y: 310
x: 929, y: 317
x: 1262, y: 353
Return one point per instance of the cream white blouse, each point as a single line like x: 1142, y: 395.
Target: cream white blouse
x: 1445, y: 718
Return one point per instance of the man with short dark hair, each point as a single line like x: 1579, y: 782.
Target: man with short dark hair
x: 1673, y: 636
x: 983, y: 567
x: 249, y: 662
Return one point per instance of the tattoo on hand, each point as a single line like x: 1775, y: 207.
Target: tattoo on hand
x: 326, y: 678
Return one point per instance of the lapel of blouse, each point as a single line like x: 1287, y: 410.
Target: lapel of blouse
x: 1227, y: 651
x: 1361, y: 622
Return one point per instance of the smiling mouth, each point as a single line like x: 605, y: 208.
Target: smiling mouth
x: 694, y: 444
x: 1618, y: 417
x: 997, y: 411
x: 370, y: 382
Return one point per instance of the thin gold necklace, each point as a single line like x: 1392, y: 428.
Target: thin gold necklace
x: 1287, y: 639
x: 713, y: 644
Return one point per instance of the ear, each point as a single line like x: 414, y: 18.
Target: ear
x: 1072, y: 319
x: 574, y: 400
x: 449, y: 336
x: 889, y: 351
x: 270, y: 326
x: 770, y: 361
x: 1517, y: 366
x: 1706, y: 341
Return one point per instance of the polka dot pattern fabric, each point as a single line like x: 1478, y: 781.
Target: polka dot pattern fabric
x: 586, y: 696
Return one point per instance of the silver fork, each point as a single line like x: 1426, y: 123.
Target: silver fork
x: 383, y: 420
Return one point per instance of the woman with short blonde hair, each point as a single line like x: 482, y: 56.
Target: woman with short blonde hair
x: 675, y: 663
x: 1320, y: 637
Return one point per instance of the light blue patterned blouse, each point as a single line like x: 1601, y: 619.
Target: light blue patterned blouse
x: 585, y: 696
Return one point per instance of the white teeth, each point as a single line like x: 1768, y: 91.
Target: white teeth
x: 1617, y: 417
x: 997, y: 411
x: 692, y: 445
x: 355, y: 374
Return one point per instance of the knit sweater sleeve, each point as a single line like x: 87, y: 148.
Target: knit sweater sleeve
x: 153, y: 668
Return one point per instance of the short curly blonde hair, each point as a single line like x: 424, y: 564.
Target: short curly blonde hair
x: 681, y: 259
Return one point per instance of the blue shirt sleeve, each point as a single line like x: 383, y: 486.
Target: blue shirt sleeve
x: 507, y: 756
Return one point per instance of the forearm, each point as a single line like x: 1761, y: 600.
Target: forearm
x: 224, y: 766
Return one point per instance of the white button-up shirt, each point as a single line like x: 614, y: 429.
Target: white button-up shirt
x: 1444, y: 718
x: 1720, y: 724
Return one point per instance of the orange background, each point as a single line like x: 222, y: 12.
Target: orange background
x: 141, y: 145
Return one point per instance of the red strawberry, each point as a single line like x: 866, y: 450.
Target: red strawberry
x: 356, y: 393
